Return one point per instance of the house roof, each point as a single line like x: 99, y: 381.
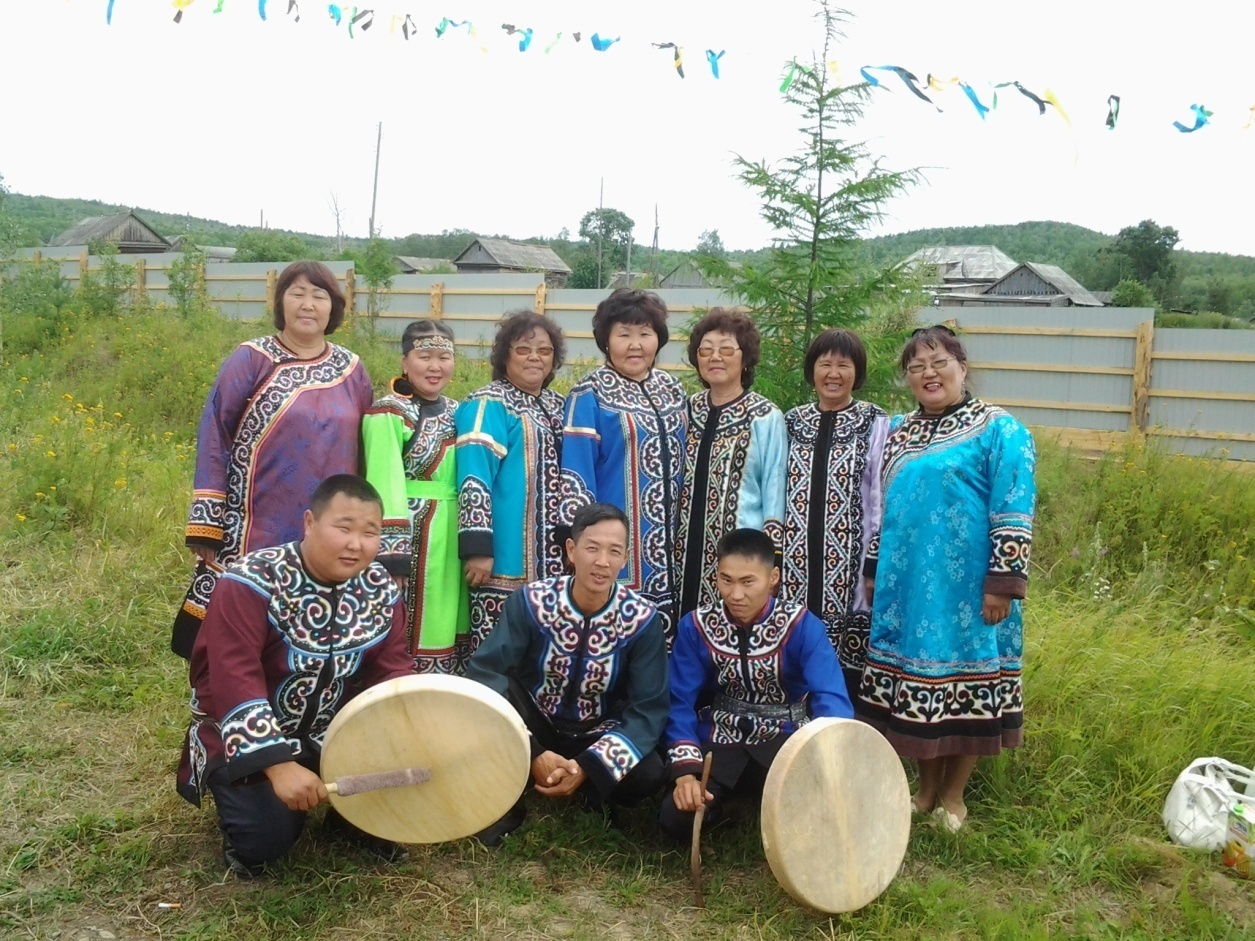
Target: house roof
x: 964, y: 262
x: 522, y: 255
x: 1057, y: 278
x: 126, y: 230
x: 414, y: 263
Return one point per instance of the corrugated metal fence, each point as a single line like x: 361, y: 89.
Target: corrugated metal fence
x: 1097, y: 375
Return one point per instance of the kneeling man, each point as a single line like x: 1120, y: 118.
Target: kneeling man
x: 292, y: 634
x: 744, y: 675
x: 584, y: 661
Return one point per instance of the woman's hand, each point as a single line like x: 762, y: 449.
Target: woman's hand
x: 478, y: 570
x: 204, y: 553
x: 995, y: 608
x: 869, y: 589
x: 402, y: 581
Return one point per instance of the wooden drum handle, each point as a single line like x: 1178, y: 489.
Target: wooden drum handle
x: 361, y: 783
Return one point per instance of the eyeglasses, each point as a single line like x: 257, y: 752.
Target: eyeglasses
x: 937, y: 365
x: 725, y: 352
x: 526, y: 352
x: 937, y: 326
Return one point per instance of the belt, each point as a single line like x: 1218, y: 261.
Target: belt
x: 430, y: 490
x: 788, y: 712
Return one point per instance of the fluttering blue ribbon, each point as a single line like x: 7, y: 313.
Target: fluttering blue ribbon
x: 445, y: 23
x: 981, y: 109
x: 911, y: 81
x: 1041, y: 104
x: 713, y: 58
x: 601, y: 45
x: 109, y: 14
x: 261, y: 8
x: 1201, y: 116
x: 334, y: 11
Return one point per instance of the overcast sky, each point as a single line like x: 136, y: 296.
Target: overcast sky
x: 225, y: 116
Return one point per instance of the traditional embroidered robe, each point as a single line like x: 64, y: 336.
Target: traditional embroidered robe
x: 509, y: 492
x: 734, y: 477
x: 279, y: 654
x: 603, y: 673
x: 958, y: 521
x: 783, y: 659
x: 273, y: 428
x: 624, y: 444
x: 832, y: 509
x: 408, y: 444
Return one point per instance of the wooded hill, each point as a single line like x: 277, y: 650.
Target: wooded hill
x: 1204, y: 280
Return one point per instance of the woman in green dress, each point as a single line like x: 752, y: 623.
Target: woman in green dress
x: 408, y: 440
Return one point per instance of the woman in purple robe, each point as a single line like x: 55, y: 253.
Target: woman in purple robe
x: 284, y: 413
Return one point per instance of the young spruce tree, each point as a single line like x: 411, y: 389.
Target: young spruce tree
x: 819, y: 201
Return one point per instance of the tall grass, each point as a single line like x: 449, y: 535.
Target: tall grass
x: 1139, y: 658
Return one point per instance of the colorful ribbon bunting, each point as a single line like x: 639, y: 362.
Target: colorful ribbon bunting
x: 180, y: 6
x: 261, y: 8
x: 408, y: 27
x: 293, y: 5
x: 981, y: 109
x: 334, y: 11
x: 794, y: 68
x: 109, y: 14
x: 713, y: 58
x: 525, y: 35
x: 365, y: 17
x: 1201, y: 116
x: 1041, y: 104
x: 1251, y: 123
x: 601, y: 45
x: 1051, y: 99
x: 677, y: 59
x: 549, y: 48
x: 445, y: 23
x: 218, y: 8
x: 1113, y: 111
x: 911, y: 81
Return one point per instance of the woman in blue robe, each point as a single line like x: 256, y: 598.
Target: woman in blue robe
x: 942, y: 679
x: 623, y: 442
x: 509, y: 449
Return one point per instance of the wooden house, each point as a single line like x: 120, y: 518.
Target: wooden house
x: 502, y: 255
x: 411, y: 264
x: 1031, y: 285
x: 127, y: 231
x: 968, y: 268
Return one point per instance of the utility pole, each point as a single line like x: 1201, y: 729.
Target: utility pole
x: 653, y: 260
x: 375, y: 189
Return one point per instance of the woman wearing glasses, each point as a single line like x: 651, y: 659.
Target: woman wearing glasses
x: 509, y: 468
x: 624, y: 441
x: 942, y: 677
x: 833, y: 497
x: 733, y: 455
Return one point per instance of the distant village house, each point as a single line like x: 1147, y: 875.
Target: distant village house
x: 979, y: 275
x: 490, y: 256
x: 126, y: 231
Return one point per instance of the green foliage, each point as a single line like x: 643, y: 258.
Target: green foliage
x: 611, y: 229
x: 34, y: 305
x: 274, y: 245
x: 1149, y: 246
x: 584, y: 269
x: 377, y: 268
x: 709, y: 243
x: 1208, y: 320
x: 186, y: 279
x: 106, y: 289
x: 819, y: 202
x: 1130, y: 293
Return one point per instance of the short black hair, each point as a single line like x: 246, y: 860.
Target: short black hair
x: 939, y: 337
x: 320, y: 276
x: 842, y: 342
x: 630, y: 306
x: 358, y: 488
x: 519, y: 323
x: 737, y: 323
x: 593, y: 513
x: 748, y: 543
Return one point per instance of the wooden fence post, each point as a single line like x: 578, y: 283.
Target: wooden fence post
x: 437, y: 300
x: 1138, y: 421
x: 540, y: 298
x: 82, y: 268
x: 141, y: 279
x: 272, y: 278
x: 350, y: 292
x: 37, y: 257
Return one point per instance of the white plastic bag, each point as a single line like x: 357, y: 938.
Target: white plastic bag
x: 1196, y: 812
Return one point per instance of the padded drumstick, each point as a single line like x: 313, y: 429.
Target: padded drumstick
x: 695, y: 851
x: 360, y: 783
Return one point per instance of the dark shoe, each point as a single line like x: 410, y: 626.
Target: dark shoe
x: 377, y: 846
x: 244, y: 869
x: 608, y: 812
x: 492, y: 836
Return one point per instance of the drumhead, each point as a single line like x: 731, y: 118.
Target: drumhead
x: 468, y: 737
x: 836, y: 815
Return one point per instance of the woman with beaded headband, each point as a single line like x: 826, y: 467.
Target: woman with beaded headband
x: 284, y: 414
x: 509, y: 468
x: 408, y: 438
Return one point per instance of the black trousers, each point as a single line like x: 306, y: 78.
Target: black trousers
x: 735, y: 771
x: 644, y: 780
x: 258, y: 826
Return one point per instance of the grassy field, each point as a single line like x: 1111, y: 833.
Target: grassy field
x: 1140, y: 658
